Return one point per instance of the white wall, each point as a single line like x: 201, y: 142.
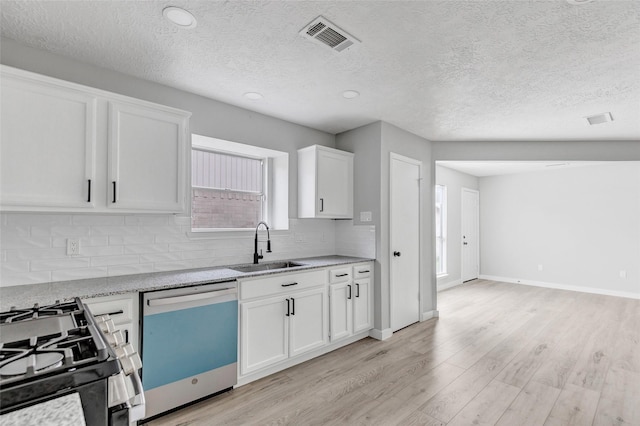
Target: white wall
x: 454, y: 181
x: 581, y: 224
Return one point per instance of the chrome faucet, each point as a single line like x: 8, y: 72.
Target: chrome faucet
x: 257, y: 256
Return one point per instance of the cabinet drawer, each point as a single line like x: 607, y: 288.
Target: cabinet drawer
x: 120, y: 310
x: 340, y: 275
x: 280, y: 283
x: 362, y: 271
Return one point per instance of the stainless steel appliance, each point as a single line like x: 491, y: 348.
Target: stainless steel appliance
x: 48, y: 352
x: 189, y: 344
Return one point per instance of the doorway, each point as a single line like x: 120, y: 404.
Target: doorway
x: 470, y: 234
x: 404, y: 216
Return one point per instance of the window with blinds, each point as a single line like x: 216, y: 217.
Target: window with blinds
x: 227, y: 190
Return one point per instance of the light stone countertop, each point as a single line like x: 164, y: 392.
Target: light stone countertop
x: 63, y: 411
x: 25, y: 296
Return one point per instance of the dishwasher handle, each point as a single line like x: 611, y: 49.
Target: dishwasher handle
x: 191, y: 297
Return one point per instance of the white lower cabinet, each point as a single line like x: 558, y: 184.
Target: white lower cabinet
x: 287, y: 318
x: 122, y: 309
x: 276, y: 328
x: 351, y: 303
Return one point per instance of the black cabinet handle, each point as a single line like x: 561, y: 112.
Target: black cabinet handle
x: 321, y: 204
x: 114, y: 191
x: 396, y: 254
x: 357, y: 290
x: 341, y: 275
x: 89, y: 192
x: 349, y: 296
x: 126, y: 336
x: 288, y: 309
x: 293, y: 306
x: 288, y: 285
x: 364, y: 272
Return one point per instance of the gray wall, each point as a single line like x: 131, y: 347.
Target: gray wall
x: 454, y: 181
x: 532, y: 151
x: 372, y: 145
x: 210, y: 117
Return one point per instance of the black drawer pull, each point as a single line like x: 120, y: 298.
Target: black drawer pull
x: 114, y: 191
x: 293, y: 306
x: 349, y: 296
x: 120, y: 312
x: 341, y: 275
x: 288, y: 285
x: 288, y: 309
x: 89, y: 192
x: 357, y: 290
x: 364, y: 272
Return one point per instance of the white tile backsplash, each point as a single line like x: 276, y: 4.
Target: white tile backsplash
x: 33, y: 246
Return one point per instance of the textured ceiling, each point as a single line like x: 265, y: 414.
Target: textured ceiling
x: 445, y: 70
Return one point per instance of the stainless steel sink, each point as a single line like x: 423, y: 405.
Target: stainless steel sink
x: 266, y: 266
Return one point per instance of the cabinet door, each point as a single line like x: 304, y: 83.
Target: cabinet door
x: 341, y: 316
x: 48, y: 143
x: 308, y: 321
x: 147, y: 149
x: 264, y: 333
x: 335, y: 185
x: 362, y: 305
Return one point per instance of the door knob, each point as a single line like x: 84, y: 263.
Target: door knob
x: 396, y: 253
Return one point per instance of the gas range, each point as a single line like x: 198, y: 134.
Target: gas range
x: 47, y: 352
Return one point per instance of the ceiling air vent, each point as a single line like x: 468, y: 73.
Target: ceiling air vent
x: 323, y: 31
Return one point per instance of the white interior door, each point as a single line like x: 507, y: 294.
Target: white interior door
x: 470, y: 233
x: 405, y: 230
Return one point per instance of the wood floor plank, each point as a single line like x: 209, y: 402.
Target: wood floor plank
x: 488, y: 406
x: 523, y: 356
x: 619, y: 400
x: 531, y: 407
x: 575, y: 406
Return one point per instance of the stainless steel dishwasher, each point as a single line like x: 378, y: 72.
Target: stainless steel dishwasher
x: 189, y: 344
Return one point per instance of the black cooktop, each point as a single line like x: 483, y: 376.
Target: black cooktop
x: 43, y: 341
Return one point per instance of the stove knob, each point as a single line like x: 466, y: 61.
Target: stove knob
x: 115, y: 339
x: 106, y: 324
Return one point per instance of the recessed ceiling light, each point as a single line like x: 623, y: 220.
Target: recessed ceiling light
x: 579, y: 2
x: 605, y: 117
x: 350, y: 94
x: 180, y: 17
x: 254, y: 96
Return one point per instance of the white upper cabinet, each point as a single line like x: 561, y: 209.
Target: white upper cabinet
x: 64, y: 145
x: 325, y: 183
x: 146, y: 158
x: 48, y: 144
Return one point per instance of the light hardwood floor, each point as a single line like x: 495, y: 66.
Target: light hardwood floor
x: 500, y: 354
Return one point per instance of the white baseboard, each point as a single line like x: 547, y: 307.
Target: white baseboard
x: 381, y: 334
x: 562, y: 286
x: 429, y: 314
x: 445, y: 286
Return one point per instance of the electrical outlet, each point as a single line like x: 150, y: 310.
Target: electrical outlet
x: 299, y: 238
x: 365, y: 216
x: 73, y: 246
x: 623, y: 274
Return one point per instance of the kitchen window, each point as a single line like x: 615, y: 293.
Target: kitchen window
x: 441, y: 229
x: 234, y: 186
x: 227, y: 190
